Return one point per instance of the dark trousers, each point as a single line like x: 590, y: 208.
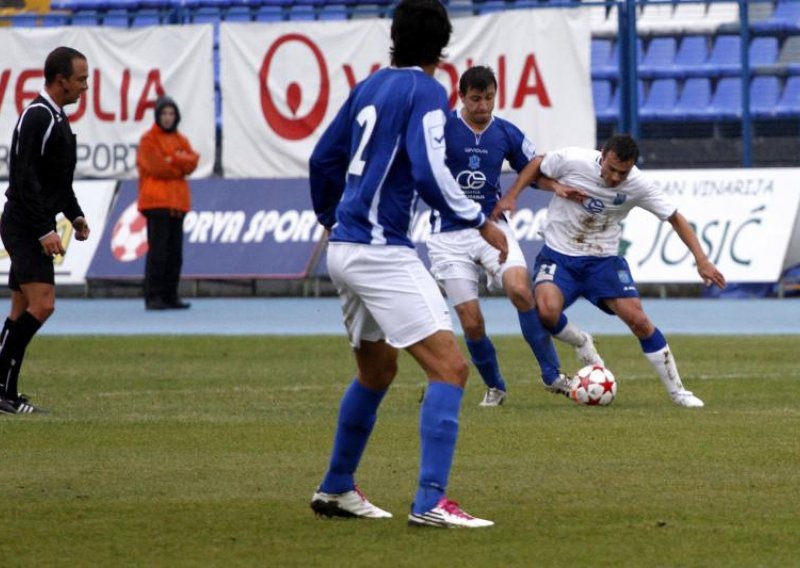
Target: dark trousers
x: 164, y: 255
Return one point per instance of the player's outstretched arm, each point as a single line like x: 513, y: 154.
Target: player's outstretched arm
x: 561, y: 190
x: 508, y: 203
x: 708, y: 272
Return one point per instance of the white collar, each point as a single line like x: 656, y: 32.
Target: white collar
x: 46, y: 96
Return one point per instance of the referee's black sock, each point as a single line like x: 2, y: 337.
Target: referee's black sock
x: 4, y: 333
x: 19, y: 335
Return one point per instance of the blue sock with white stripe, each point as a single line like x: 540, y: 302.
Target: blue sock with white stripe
x: 541, y: 344
x: 484, y: 357
x: 438, y: 429
x: 357, y: 415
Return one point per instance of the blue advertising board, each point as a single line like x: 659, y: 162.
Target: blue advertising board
x: 259, y: 229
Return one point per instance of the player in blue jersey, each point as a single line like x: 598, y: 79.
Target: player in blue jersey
x: 580, y: 256
x: 385, y: 146
x: 477, y: 145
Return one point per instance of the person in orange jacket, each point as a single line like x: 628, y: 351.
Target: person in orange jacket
x: 164, y: 159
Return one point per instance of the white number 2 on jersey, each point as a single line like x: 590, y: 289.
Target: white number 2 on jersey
x: 367, y: 119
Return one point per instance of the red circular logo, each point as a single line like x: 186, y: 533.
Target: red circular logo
x: 294, y: 127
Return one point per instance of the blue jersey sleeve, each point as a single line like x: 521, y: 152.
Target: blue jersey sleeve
x: 328, y: 166
x: 426, y: 147
x: 521, y: 149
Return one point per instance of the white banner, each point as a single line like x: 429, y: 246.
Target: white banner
x: 94, y: 198
x: 283, y: 83
x: 128, y: 69
x: 744, y: 220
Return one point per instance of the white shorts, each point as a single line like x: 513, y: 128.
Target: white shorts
x: 386, y: 293
x: 464, y: 255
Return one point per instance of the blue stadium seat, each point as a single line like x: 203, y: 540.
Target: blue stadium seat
x: 55, y: 19
x: 86, y: 18
x: 789, y: 104
x: 606, y: 105
x: 785, y: 19
x: 303, y: 13
x: 763, y: 51
x: 490, y: 6
x: 726, y: 104
x: 657, y: 61
x: 24, y: 19
x: 238, y: 14
x: 146, y: 17
x: 269, y: 14
x: 117, y: 17
x: 691, y: 56
x: 309, y: 2
x: 205, y: 15
x: 660, y: 101
x: 764, y: 94
x: 693, y: 100
x: 333, y: 12
x: 724, y: 55
x: 605, y: 61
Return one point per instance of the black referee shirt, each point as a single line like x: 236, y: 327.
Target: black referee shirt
x: 41, y: 168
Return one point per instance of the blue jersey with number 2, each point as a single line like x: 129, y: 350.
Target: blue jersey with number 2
x: 385, y: 146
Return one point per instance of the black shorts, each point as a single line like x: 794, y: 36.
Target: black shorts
x: 29, y: 263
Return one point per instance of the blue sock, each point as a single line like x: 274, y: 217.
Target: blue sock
x: 357, y: 415
x: 484, y: 358
x: 541, y: 344
x: 653, y: 343
x: 438, y: 429
x: 560, y: 325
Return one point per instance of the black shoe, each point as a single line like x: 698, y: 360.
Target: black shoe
x: 178, y: 305
x: 17, y: 406
x: 156, y: 305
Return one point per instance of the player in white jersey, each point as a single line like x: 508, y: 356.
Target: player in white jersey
x: 580, y: 256
x: 384, y: 147
x: 478, y: 143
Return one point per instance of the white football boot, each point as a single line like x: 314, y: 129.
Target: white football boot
x: 587, y: 353
x: 559, y: 386
x: 493, y: 397
x: 349, y: 504
x: 447, y: 514
x: 687, y: 399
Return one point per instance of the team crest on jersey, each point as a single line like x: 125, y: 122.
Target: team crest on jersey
x: 474, y: 162
x: 624, y: 276
x: 620, y: 198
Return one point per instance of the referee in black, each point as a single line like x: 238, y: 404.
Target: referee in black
x: 41, y: 166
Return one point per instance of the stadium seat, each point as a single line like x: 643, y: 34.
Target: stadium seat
x: 269, y: 14
x: 654, y: 17
x: 490, y: 6
x: 785, y: 19
x: 146, y: 17
x: 117, y: 17
x: 693, y: 100
x: 789, y: 104
x: 764, y: 94
x: 302, y: 13
x: 722, y: 14
x: 205, y: 15
x: 691, y: 56
x: 724, y: 56
x: 659, y: 57
x: 55, y: 19
x: 789, y: 57
x: 606, y: 105
x: 690, y: 17
x: 603, y: 21
x: 726, y: 103
x: 24, y: 20
x: 238, y: 14
x: 603, y: 67
x: 86, y: 18
x: 333, y: 12
x: 763, y: 51
x: 660, y: 101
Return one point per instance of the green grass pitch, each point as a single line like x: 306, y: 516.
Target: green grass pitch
x: 204, y: 451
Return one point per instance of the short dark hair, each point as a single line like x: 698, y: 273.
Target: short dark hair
x: 624, y: 146
x: 479, y: 78
x: 420, y: 31
x: 59, y: 62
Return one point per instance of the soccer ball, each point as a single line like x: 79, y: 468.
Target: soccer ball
x: 594, y: 386
x: 129, y: 237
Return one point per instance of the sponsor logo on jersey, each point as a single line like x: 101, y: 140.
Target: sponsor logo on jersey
x: 593, y: 205
x: 469, y: 180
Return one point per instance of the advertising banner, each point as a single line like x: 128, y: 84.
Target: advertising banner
x: 744, y: 219
x: 95, y: 199
x: 257, y: 229
x: 282, y: 83
x: 128, y: 70
x: 237, y: 229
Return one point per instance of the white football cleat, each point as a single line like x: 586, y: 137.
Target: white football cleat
x: 587, y: 353
x: 687, y: 399
x: 559, y: 386
x: 493, y: 397
x: 447, y: 514
x: 348, y: 504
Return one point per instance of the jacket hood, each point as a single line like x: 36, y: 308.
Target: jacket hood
x: 163, y: 102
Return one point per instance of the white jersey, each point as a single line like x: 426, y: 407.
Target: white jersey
x: 593, y: 228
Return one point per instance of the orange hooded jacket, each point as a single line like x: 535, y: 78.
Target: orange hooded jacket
x: 164, y: 160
